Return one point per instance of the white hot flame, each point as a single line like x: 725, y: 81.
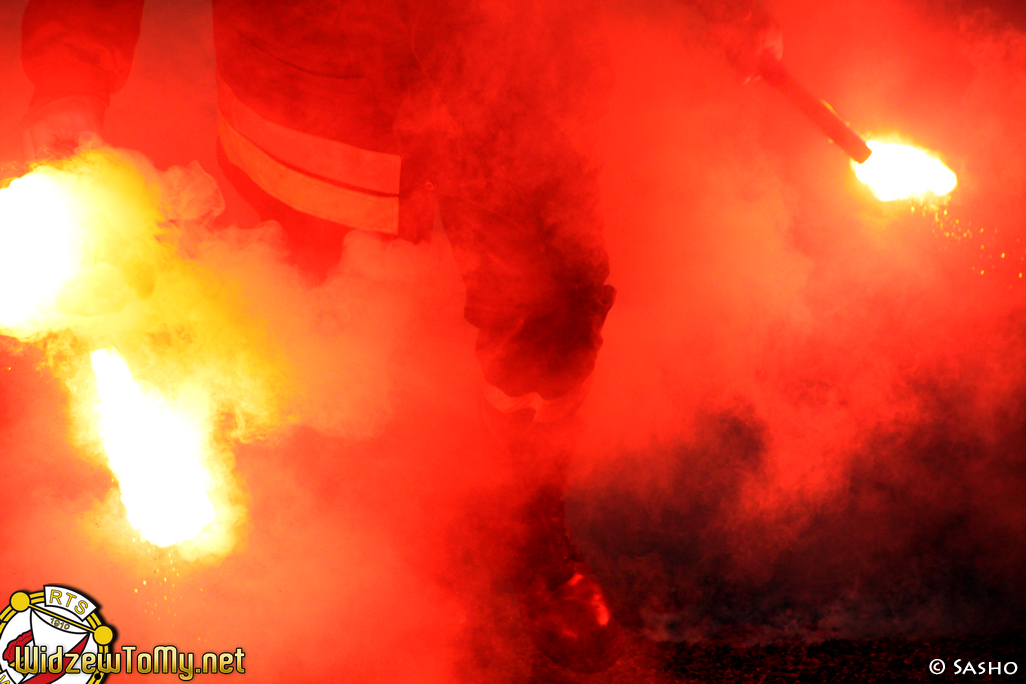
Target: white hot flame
x: 896, y: 171
x: 39, y: 248
x: 156, y: 454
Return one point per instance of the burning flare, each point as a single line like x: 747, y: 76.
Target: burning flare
x: 40, y: 245
x: 90, y: 259
x: 157, y: 454
x: 895, y: 171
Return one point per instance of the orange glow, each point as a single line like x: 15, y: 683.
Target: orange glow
x: 895, y: 171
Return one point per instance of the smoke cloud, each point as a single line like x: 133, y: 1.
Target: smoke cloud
x: 806, y: 420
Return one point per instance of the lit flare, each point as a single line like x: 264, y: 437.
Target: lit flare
x: 895, y: 171
x: 90, y: 259
x: 156, y: 453
x: 40, y: 242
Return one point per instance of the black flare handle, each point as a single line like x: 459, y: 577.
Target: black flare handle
x: 819, y: 112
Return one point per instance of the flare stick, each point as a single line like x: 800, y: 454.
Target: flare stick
x: 819, y: 112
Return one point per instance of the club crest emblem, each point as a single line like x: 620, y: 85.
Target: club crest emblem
x: 53, y: 635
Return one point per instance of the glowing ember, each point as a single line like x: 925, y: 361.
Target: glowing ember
x: 896, y: 171
x: 156, y: 454
x: 39, y: 245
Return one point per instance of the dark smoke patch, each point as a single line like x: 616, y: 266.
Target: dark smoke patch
x: 661, y: 543
x: 923, y: 539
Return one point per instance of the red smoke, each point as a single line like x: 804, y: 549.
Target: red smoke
x: 816, y: 397
x: 807, y: 418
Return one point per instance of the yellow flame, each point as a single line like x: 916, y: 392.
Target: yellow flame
x: 895, y: 171
x: 91, y: 259
x: 156, y: 453
x: 39, y: 248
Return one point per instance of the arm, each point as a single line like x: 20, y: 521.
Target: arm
x: 77, y: 53
x: 518, y: 201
